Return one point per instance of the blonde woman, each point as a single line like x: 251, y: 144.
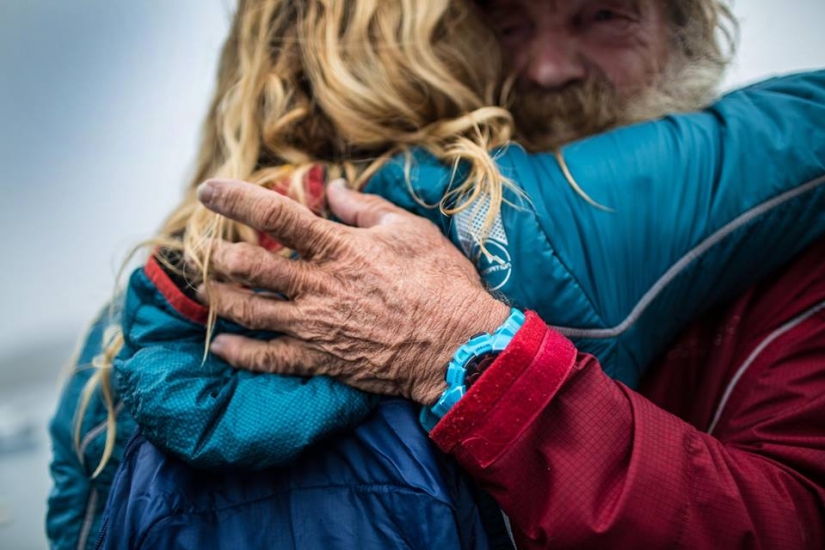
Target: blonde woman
x: 403, y: 97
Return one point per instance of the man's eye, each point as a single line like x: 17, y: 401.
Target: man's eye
x: 602, y: 16
x: 606, y: 21
x: 514, y: 29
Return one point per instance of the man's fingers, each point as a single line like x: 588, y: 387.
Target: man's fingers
x: 357, y: 209
x: 257, y: 268
x: 252, y: 310
x: 279, y: 356
x: 290, y: 223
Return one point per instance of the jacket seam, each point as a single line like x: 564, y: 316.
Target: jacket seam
x: 692, y: 255
x: 97, y: 430
x: 88, y: 519
x: 763, y: 345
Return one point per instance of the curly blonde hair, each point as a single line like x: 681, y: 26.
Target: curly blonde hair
x: 344, y: 84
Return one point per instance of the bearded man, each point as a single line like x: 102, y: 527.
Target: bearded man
x: 724, y: 445
x: 584, y: 67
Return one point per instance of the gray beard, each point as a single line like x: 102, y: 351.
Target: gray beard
x: 548, y: 120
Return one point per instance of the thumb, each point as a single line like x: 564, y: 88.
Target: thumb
x: 357, y: 209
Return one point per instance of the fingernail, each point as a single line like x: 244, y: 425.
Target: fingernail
x: 218, y: 345
x: 340, y: 183
x: 206, y: 191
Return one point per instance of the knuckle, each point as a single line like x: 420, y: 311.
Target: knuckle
x: 237, y: 260
x: 269, y: 214
x: 327, y: 242
x: 334, y: 369
x: 294, y: 360
x: 247, y: 263
x: 310, y: 327
x: 229, y: 199
x: 256, y: 273
x: 233, y: 309
x: 376, y: 210
x: 215, y: 299
x: 392, y: 217
x: 244, y: 311
x: 299, y: 283
x: 324, y: 231
x: 263, y: 359
x: 317, y: 329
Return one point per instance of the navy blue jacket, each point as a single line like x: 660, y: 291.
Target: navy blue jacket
x: 379, y: 486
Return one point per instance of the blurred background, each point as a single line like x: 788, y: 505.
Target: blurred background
x: 100, y: 106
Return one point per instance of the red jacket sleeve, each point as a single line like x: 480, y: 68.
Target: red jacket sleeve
x: 577, y: 460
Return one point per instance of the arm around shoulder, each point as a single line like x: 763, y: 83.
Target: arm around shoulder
x: 202, y: 410
x: 576, y: 459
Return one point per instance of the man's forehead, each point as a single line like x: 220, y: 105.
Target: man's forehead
x: 496, y: 7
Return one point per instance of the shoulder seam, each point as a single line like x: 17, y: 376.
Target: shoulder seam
x: 680, y: 265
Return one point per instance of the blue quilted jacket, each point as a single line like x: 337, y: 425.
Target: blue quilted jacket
x: 702, y: 205
x: 381, y: 485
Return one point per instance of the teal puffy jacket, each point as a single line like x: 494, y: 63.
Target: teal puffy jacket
x: 702, y: 205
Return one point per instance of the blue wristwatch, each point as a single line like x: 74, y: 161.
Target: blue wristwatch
x: 480, y: 348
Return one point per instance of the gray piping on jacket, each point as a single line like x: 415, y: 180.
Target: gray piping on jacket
x: 679, y: 266
x: 509, y: 529
x: 88, y: 520
x: 96, y: 431
x: 793, y: 323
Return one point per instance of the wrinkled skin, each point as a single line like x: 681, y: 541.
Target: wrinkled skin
x: 381, y: 306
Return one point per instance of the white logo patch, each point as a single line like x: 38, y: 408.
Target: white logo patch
x: 496, y: 267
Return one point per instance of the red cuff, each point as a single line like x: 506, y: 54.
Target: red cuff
x: 516, y: 388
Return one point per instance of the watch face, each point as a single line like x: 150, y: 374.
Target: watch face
x: 476, y: 367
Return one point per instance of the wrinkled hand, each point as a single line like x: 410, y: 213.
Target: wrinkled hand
x: 381, y: 306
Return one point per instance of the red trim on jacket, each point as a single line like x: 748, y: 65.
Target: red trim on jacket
x: 183, y: 304
x: 588, y: 463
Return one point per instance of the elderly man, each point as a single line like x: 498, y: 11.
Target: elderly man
x: 723, y: 447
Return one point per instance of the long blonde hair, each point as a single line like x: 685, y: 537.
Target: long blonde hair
x: 345, y: 84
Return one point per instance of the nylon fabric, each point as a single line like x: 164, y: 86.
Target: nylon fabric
x: 672, y: 185
x: 380, y: 486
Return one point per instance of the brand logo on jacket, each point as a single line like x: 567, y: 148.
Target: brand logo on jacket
x: 496, y: 266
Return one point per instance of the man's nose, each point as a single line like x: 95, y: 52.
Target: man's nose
x: 555, y: 62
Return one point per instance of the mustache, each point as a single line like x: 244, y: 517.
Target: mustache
x: 549, y: 119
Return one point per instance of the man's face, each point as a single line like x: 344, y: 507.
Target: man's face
x: 579, y: 64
